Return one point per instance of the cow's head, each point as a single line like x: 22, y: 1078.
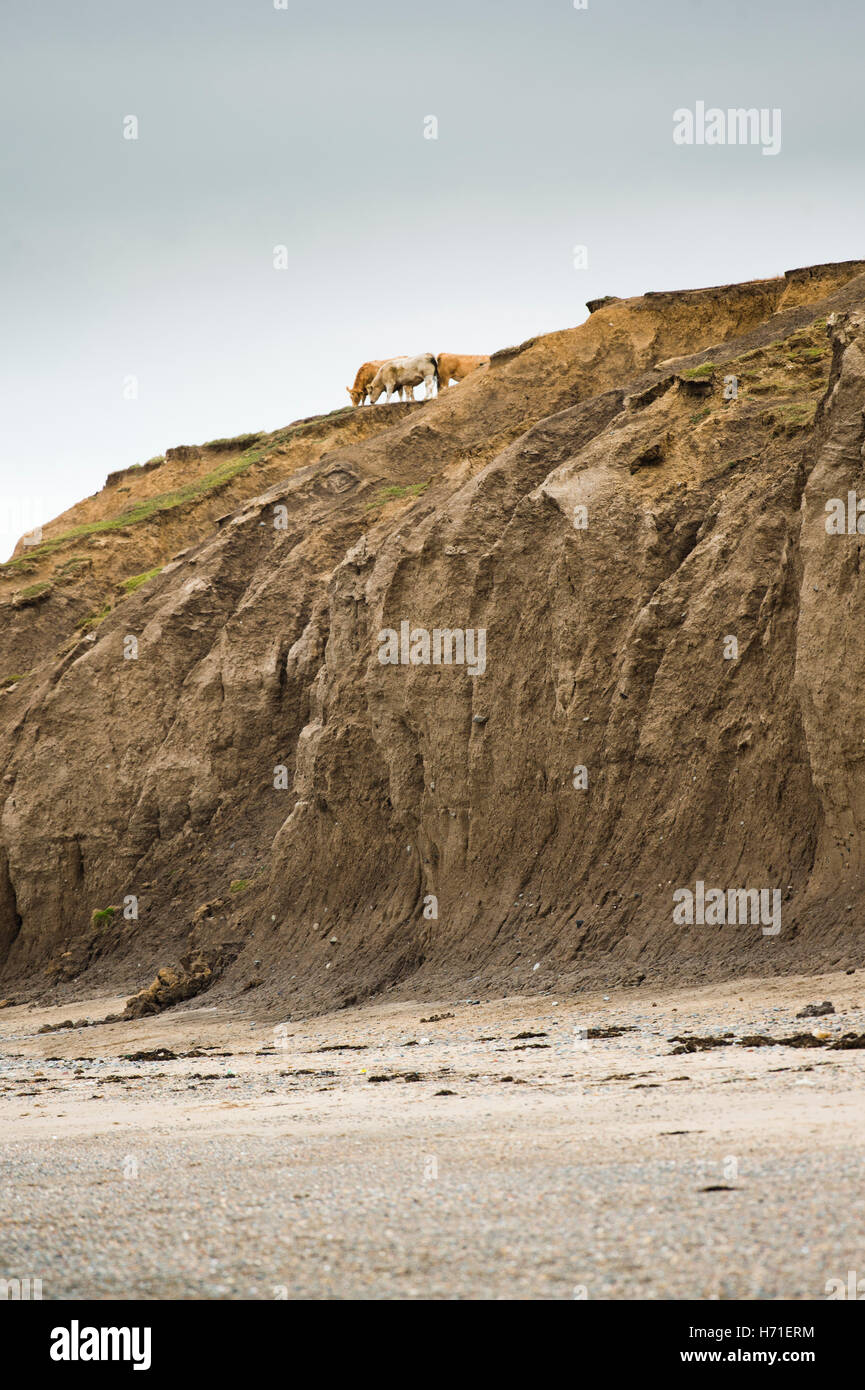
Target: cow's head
x: 356, y: 395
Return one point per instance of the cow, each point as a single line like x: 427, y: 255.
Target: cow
x: 365, y: 374
x: 456, y: 368
x: 405, y: 373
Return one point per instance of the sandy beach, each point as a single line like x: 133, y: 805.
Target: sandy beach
x: 479, y: 1150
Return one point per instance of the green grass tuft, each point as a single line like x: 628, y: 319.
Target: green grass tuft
x: 34, y: 590
x: 128, y: 586
x: 103, y: 915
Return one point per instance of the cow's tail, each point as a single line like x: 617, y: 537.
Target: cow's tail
x: 435, y: 363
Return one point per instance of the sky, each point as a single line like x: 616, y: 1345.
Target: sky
x: 144, y: 302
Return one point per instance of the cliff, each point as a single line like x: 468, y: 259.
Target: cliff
x: 207, y: 736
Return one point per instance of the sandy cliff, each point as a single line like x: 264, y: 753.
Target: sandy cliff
x: 260, y: 783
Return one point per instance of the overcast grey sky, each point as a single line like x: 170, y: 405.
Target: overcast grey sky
x: 303, y: 126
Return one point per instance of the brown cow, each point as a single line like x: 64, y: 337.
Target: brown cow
x: 363, y: 381
x: 453, y: 367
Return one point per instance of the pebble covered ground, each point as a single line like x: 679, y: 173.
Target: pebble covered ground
x: 384, y: 1152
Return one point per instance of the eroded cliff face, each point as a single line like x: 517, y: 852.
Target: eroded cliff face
x: 669, y: 690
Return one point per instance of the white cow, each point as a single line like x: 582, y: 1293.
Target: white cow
x: 405, y: 373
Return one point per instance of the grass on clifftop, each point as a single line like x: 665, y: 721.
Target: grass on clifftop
x: 315, y: 422
x: 214, y: 481
x: 240, y: 441
x: 141, y: 511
